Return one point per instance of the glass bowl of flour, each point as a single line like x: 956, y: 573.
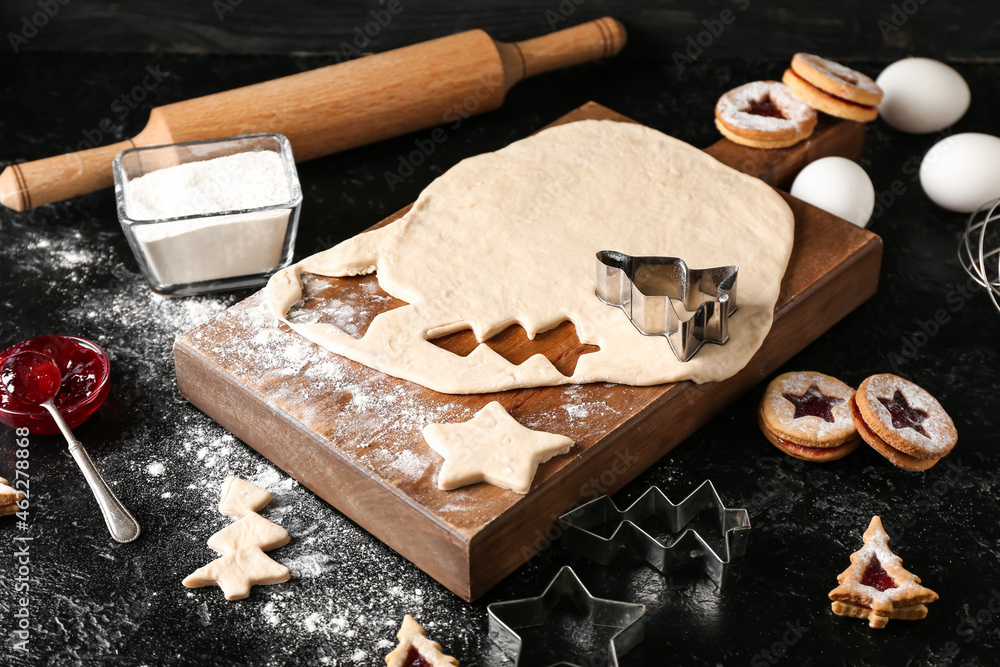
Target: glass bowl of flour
x: 210, y: 215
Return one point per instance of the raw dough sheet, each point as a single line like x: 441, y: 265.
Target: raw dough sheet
x: 510, y: 238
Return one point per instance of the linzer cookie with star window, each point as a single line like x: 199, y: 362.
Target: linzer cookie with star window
x: 902, y: 422
x: 807, y: 415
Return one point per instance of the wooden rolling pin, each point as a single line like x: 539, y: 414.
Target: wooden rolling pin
x: 336, y: 107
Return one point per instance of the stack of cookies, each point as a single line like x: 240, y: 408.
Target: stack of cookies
x: 902, y: 422
x: 877, y: 587
x: 808, y: 415
x: 815, y: 417
x: 832, y: 88
x: 769, y: 114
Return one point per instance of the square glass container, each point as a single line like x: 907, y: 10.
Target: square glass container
x: 207, y: 250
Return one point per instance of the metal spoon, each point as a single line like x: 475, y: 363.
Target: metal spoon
x: 34, y: 378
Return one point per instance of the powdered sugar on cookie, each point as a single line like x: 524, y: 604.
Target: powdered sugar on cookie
x: 841, y: 73
x: 782, y: 412
x: 734, y: 107
x: 892, y: 589
x: 933, y: 429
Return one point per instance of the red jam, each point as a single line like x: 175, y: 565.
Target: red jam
x: 414, y: 659
x: 903, y: 416
x: 876, y: 577
x: 30, y: 377
x: 765, y: 108
x: 814, y: 403
x: 84, y: 370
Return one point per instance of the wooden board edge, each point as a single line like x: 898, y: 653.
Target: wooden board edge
x: 480, y: 569
x: 445, y: 550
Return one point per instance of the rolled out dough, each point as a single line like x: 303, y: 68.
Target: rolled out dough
x: 510, y: 238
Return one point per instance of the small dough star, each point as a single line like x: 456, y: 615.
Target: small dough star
x: 814, y: 403
x: 492, y: 447
x: 903, y: 416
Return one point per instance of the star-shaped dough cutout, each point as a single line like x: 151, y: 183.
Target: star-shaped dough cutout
x: 416, y: 650
x: 814, y: 403
x: 903, y: 416
x: 492, y: 447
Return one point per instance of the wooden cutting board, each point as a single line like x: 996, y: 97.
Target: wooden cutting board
x: 352, y: 434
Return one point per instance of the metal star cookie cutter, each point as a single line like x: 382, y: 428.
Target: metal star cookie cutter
x: 734, y: 524
x: 506, y: 618
x: 650, y: 290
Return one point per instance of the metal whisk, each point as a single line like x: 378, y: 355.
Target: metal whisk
x: 979, y: 250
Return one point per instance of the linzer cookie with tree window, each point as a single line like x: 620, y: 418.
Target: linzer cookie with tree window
x: 877, y: 587
x: 902, y: 422
x: 807, y: 415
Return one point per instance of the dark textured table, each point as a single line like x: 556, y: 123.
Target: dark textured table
x: 67, y: 268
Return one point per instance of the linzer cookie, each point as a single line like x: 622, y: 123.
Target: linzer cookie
x: 416, y: 650
x: 808, y: 415
x: 832, y: 88
x: 9, y: 498
x: 877, y: 587
x: 902, y: 422
x: 764, y: 114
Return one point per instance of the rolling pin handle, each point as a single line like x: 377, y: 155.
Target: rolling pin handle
x: 29, y: 184
x: 600, y: 38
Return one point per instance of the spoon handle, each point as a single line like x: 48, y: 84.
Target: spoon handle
x: 121, y: 524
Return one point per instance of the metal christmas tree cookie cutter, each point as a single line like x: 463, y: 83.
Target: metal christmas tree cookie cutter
x: 506, y: 618
x: 663, y: 297
x: 690, y: 547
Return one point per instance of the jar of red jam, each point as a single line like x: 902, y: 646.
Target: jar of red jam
x: 85, y: 370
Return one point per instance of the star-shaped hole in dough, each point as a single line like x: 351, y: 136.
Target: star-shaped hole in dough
x: 903, y: 416
x: 492, y: 447
x: 814, y: 403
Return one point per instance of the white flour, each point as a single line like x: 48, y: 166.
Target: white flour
x: 219, y: 247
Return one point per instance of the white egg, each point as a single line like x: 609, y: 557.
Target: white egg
x: 962, y: 172
x: 839, y: 186
x: 922, y: 95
